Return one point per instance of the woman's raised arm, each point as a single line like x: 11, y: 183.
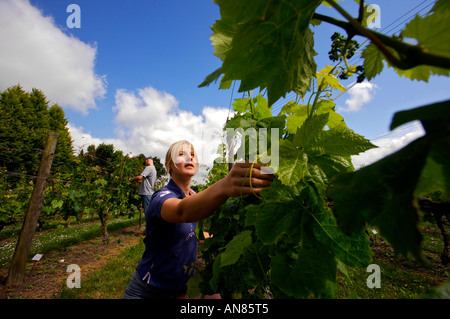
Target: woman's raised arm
x: 244, y: 178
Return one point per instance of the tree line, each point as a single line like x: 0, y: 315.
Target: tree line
x: 84, y: 185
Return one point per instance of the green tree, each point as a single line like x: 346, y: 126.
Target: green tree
x: 64, y: 156
x: 25, y: 119
x: 18, y: 138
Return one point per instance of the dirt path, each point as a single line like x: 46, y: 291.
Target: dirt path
x: 48, y: 276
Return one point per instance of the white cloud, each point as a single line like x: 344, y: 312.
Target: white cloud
x: 149, y: 105
x: 37, y: 54
x: 149, y: 121
x: 360, y: 94
x: 392, y: 142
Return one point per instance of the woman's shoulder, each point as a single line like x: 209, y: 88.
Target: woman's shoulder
x: 171, y: 190
x: 160, y: 196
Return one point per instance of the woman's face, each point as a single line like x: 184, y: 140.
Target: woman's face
x: 185, y: 161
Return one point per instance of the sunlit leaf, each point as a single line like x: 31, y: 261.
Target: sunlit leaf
x: 272, y: 46
x: 292, y: 163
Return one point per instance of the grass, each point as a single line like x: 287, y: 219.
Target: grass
x: 396, y: 283
x: 60, y: 238
x: 401, y: 278
x: 110, y: 281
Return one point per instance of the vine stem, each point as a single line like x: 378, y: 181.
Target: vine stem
x: 266, y: 281
x: 320, y: 89
x: 316, y: 98
x: 415, y: 55
x: 308, y: 111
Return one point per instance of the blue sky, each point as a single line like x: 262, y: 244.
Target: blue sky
x: 129, y: 76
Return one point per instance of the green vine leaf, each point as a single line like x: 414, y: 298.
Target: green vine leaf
x: 384, y: 194
x: 436, y: 172
x: 292, y: 163
x: 235, y: 248
x: 334, y: 119
x: 422, y: 72
x: 310, y: 131
x: 441, y: 5
x: 275, y: 219
x: 272, y: 45
x: 241, y: 105
x: 329, y: 79
x: 223, y: 35
x: 295, y: 120
x: 353, y: 250
x: 430, y: 31
x: 342, y: 142
x: 324, y: 167
x: 373, y: 61
x: 240, y: 122
x: 305, y: 273
x: 299, y: 113
x: 434, y: 118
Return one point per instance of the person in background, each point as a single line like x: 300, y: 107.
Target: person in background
x: 171, y: 246
x: 147, y: 179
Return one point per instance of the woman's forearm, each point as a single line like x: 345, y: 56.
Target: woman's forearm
x: 243, y: 179
x: 199, y: 206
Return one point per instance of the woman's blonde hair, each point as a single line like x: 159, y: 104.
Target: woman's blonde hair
x: 173, y: 152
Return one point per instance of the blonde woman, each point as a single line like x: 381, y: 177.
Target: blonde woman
x: 170, y: 242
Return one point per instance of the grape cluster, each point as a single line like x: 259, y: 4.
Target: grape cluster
x: 345, y: 74
x: 341, y: 48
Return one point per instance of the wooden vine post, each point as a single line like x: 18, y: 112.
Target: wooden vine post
x: 17, y: 269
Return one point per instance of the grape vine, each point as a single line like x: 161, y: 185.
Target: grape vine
x: 292, y: 240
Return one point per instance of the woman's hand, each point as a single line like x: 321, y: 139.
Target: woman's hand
x: 247, y: 178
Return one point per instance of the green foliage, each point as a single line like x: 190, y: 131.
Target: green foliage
x: 94, y: 182
x: 64, y: 149
x: 291, y: 222
x: 13, y: 200
x: 290, y: 241
x: 265, y: 44
x: 424, y: 30
x: 385, y: 193
x: 24, y: 120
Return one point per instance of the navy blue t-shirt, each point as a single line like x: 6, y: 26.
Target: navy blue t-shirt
x: 170, y: 248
